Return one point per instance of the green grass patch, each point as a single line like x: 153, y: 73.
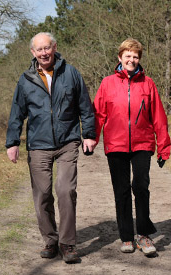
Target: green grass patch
x: 12, y: 236
x: 14, y: 229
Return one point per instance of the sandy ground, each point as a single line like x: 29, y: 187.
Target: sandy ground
x: 98, y: 242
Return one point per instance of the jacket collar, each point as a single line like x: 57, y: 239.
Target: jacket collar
x: 124, y: 74
x: 32, y: 74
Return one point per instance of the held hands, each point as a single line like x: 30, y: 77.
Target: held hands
x: 161, y: 162
x: 13, y: 153
x: 88, y: 146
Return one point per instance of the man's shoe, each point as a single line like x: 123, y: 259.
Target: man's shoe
x: 50, y: 251
x: 145, y: 244
x: 69, y: 253
x: 127, y: 247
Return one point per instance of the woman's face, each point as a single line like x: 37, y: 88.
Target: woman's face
x: 130, y: 61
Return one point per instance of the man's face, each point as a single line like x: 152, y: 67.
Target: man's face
x: 130, y: 61
x: 44, y: 51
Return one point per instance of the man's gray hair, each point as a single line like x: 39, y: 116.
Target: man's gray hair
x: 53, y: 40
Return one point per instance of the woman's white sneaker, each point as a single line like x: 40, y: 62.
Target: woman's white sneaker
x: 145, y: 244
x: 127, y: 247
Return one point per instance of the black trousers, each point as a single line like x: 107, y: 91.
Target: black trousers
x: 120, y: 170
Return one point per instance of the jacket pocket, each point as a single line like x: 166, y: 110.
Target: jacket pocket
x: 141, y: 107
x: 65, y: 102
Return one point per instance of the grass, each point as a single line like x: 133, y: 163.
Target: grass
x: 11, y: 174
x: 12, y: 235
x: 13, y: 230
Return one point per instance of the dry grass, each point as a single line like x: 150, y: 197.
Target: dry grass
x: 11, y: 174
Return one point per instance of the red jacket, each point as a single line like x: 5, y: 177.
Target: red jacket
x: 131, y: 114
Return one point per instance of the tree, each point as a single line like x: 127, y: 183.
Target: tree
x: 91, y: 32
x: 88, y: 34
x: 11, y: 13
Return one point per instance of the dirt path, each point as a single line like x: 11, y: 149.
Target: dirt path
x: 98, y: 241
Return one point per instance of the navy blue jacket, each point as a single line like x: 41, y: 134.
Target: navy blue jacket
x: 53, y: 120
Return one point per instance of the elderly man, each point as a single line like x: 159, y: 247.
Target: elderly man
x: 54, y: 98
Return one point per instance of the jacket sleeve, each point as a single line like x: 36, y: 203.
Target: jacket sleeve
x: 159, y: 120
x: 16, y: 119
x: 85, y: 110
x: 100, y: 110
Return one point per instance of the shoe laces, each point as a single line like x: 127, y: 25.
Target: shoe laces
x: 49, y: 246
x: 70, y: 248
x: 127, y: 243
x: 148, y: 240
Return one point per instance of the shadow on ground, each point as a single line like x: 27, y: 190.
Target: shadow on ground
x: 101, y: 235
x: 104, y: 234
x: 163, y: 231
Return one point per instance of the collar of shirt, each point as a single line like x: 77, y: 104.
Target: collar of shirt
x: 46, y: 78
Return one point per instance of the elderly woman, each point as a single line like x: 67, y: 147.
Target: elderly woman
x: 128, y: 107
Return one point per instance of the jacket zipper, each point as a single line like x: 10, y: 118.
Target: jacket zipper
x: 129, y: 111
x: 142, y: 104
x: 50, y: 96
x: 53, y: 131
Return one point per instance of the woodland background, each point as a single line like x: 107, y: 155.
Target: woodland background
x: 88, y: 34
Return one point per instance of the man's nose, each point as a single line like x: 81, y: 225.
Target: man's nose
x: 43, y: 51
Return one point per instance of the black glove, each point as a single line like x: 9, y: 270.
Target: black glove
x: 87, y: 152
x: 161, y: 162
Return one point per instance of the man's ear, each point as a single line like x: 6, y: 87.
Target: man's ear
x: 55, y: 47
x: 119, y: 58
x: 33, y: 53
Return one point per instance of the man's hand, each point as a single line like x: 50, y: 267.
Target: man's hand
x: 13, y: 153
x: 88, y: 146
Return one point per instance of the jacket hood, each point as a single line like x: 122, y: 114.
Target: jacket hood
x: 123, y: 73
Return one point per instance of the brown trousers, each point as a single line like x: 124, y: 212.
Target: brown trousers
x: 41, y: 166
